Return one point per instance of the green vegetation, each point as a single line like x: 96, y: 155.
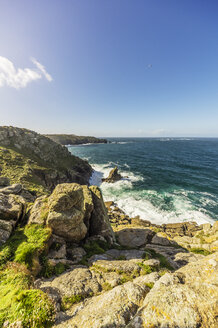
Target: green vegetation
x: 92, y: 248
x: 149, y: 284
x: 106, y: 286
x: 67, y: 302
x: 20, y: 303
x: 25, y: 245
x: 163, y: 261
x: 20, y: 169
x: 146, y: 269
x: 200, y: 251
x: 72, y: 139
x: 49, y: 270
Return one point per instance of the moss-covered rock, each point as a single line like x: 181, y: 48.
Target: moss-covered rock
x: 25, y: 246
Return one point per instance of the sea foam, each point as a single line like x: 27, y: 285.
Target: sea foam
x: 148, y: 204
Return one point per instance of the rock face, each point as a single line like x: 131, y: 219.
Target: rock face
x: 72, y: 139
x: 111, y: 309
x: 99, y: 221
x: 36, y: 161
x: 12, y: 209
x: 73, y: 212
x: 114, y: 176
x: 185, y: 299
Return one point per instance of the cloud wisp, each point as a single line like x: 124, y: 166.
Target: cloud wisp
x: 20, y: 77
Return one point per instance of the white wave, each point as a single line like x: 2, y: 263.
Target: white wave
x: 138, y: 203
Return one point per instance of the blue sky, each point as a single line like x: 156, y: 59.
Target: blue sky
x: 111, y: 67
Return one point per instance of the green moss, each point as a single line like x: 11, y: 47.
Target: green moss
x: 67, y: 302
x: 146, y: 269
x: 25, y: 244
x: 200, y: 251
x: 149, y: 284
x: 106, y: 286
x: 20, y: 303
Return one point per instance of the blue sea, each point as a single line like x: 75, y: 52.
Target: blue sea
x: 165, y: 180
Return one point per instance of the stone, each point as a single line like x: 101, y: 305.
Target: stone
x: 6, y: 228
x: 185, y: 299
x: 127, y: 254
x: 76, y: 254
x: 215, y: 227
x: 66, y: 212
x: 99, y: 221
x: 112, y: 309
x: 4, y: 181
x: 79, y: 281
x: 12, y: 207
x: 113, y: 176
x: 13, y: 189
x: 158, y: 239
x: 39, y: 211
x: 134, y: 237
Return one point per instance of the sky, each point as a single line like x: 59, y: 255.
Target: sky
x: 142, y: 68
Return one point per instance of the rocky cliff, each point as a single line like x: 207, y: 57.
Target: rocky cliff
x: 38, y: 162
x: 67, y: 259
x: 72, y: 139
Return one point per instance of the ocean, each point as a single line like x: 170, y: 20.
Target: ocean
x: 165, y: 180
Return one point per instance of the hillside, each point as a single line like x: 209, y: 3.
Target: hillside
x: 72, y: 139
x: 38, y: 162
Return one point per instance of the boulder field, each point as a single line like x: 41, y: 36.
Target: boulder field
x: 67, y: 259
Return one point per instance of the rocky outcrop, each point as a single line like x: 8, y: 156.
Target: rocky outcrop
x: 111, y: 309
x: 189, y: 235
x: 73, y: 212
x: 12, y: 209
x: 72, y: 139
x: 113, y: 176
x: 38, y: 162
x: 185, y: 299
x: 99, y: 221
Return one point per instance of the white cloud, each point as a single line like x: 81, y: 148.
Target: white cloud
x: 19, y: 78
x: 42, y: 69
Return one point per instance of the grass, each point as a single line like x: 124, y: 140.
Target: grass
x: 92, y: 248
x: 49, y: 270
x: 149, y: 284
x: 146, y: 269
x: 106, y: 286
x: 201, y: 251
x: 67, y: 302
x: 19, y: 302
x: 25, y: 245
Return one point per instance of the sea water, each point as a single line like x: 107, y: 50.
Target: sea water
x: 165, y: 180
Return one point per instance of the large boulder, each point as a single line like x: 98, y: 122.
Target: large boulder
x: 111, y: 309
x: 186, y: 299
x: 134, y: 237
x: 69, y: 210
x: 113, y: 176
x: 73, y: 212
